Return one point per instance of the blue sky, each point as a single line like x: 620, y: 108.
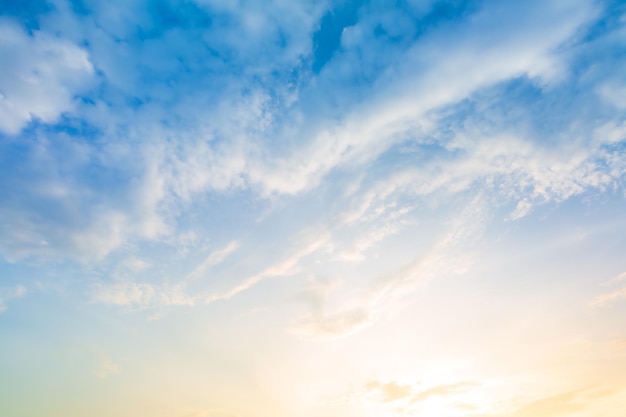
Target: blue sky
x: 349, y: 208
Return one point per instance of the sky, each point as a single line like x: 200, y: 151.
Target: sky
x: 312, y: 208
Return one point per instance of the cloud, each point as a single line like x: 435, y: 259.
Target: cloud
x: 617, y: 279
x: 390, y: 391
x: 410, y: 399
x: 141, y: 295
x: 214, y: 258
x: 339, y: 323
x: 40, y: 76
x: 363, y: 306
x: 7, y: 294
x: 317, y: 293
x: 62, y: 200
x: 387, y: 222
x: 412, y: 109
x: 442, y: 390
x: 225, y: 143
x: 611, y: 297
x: 445, y: 79
x: 523, y: 208
x: 135, y: 264
x: 124, y: 294
x: 287, y: 266
x: 559, y: 405
x: 127, y: 292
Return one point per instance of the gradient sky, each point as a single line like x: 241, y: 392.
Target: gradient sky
x: 313, y: 208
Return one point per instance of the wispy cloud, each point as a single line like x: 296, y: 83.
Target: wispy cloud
x: 442, y: 391
x: 560, y: 405
x: 224, y: 142
x: 363, y: 307
x: 124, y: 293
x: 390, y: 391
x: 616, y: 280
x: 285, y: 267
x: 393, y: 391
x: 613, y: 296
x: 7, y: 294
x: 166, y: 156
x: 214, y: 258
x: 609, y: 298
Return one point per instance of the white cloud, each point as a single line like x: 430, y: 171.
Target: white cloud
x: 390, y: 226
x: 322, y: 323
x: 142, y: 295
x: 364, y: 306
x: 393, y: 391
x: 389, y: 391
x: 135, y: 264
x: 124, y: 294
x: 39, y: 77
x: 127, y: 291
x: 7, y: 294
x: 285, y: 267
x: 614, y: 94
x: 255, y: 135
x: 608, y: 298
x: 490, y: 52
x: 619, y: 278
x: 214, y: 258
x: 338, y: 323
